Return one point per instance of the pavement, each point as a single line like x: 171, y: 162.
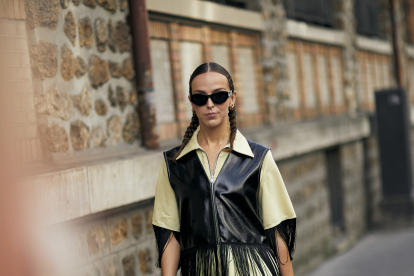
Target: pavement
x: 385, y: 253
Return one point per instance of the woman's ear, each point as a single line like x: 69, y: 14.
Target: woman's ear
x: 233, y: 98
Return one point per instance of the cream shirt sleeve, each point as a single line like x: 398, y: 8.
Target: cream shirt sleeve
x: 275, y: 205
x: 165, y: 213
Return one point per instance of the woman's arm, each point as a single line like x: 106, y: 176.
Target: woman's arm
x: 285, y: 262
x: 170, y: 258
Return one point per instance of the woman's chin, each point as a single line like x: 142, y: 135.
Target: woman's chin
x: 212, y: 123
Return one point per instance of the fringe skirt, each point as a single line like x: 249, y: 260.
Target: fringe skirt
x: 229, y: 259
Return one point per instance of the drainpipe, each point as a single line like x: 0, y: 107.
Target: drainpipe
x: 397, y: 41
x: 144, y: 84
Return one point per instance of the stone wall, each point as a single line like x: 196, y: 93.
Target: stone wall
x: 354, y: 205
x: 306, y: 182
x: 110, y: 244
x: 80, y: 55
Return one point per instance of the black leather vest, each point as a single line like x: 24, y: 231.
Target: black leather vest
x: 225, y: 211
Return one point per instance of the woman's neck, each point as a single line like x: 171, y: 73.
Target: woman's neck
x: 214, y: 137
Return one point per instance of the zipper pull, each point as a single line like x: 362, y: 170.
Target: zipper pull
x: 212, y: 178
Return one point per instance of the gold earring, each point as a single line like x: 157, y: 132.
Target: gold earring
x: 231, y: 108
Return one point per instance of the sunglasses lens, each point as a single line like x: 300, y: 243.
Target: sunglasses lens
x: 199, y: 99
x: 219, y: 97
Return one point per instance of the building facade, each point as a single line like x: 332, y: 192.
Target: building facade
x: 305, y: 80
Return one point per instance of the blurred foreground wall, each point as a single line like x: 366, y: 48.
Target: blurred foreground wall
x: 305, y: 83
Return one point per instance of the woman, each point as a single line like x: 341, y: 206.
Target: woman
x: 221, y: 207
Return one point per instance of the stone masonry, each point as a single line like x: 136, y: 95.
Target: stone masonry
x: 78, y: 51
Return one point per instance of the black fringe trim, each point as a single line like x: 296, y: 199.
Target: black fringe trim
x: 163, y: 237
x: 249, y: 259
x: 287, y: 231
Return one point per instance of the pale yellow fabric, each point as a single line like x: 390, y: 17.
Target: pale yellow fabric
x: 274, y: 202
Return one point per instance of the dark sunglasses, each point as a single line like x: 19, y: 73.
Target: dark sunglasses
x: 217, y: 98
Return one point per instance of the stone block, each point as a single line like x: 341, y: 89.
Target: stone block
x: 68, y: 64
x: 123, y: 37
x: 115, y: 69
x: 109, y: 5
x: 128, y: 69
x: 122, y: 97
x: 137, y: 225
x: 111, y: 96
x: 79, y: 135
x: 111, y: 37
x: 61, y: 196
x: 90, y: 3
x: 41, y: 13
x: 54, y: 138
x: 98, y: 72
x: 131, y: 128
x: 118, y: 231
x: 114, y: 128
x: 99, y: 137
x: 145, y: 261
x: 110, y: 266
x: 101, y: 34
x: 135, y: 180
x: 148, y: 222
x: 83, y: 101
x: 85, y: 32
x: 100, y: 107
x: 123, y: 4
x: 81, y: 67
x: 129, y: 265
x: 64, y: 4
x: 96, y: 238
x: 54, y: 103
x: 69, y: 27
x: 43, y: 58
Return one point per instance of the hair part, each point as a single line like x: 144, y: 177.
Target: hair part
x: 204, y: 68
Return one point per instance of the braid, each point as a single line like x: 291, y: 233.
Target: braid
x: 188, y: 134
x: 233, y: 127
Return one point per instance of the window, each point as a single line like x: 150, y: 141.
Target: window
x: 367, y: 14
x: 318, y: 12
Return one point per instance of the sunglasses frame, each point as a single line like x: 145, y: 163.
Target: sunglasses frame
x: 230, y: 93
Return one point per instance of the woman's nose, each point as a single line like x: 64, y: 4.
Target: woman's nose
x: 210, y: 103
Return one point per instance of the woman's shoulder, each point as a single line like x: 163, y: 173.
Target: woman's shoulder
x: 257, y: 149
x: 172, y: 152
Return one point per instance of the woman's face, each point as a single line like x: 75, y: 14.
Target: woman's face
x: 212, y: 115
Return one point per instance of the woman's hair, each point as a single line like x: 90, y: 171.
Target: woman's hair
x: 204, y: 68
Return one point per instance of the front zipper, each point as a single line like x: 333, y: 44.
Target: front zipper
x: 212, y: 193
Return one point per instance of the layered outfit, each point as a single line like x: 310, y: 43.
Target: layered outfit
x: 226, y: 220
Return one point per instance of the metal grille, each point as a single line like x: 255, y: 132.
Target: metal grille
x: 367, y: 14
x: 318, y: 12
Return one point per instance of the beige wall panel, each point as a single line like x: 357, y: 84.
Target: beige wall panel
x: 323, y: 80
x: 309, y: 80
x: 221, y: 56
x: 161, y: 72
x: 294, y: 100
x: 248, y: 80
x: 191, y: 58
x: 337, y: 81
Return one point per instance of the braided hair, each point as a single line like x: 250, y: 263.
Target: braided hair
x: 204, y: 68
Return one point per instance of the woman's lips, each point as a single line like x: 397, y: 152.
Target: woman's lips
x: 211, y: 115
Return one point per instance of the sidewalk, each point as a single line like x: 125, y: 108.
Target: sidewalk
x: 377, y: 254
